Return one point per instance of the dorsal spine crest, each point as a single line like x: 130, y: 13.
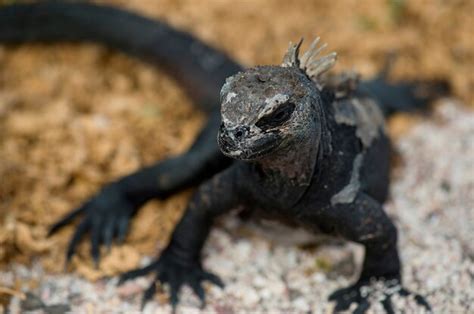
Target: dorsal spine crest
x: 311, y: 62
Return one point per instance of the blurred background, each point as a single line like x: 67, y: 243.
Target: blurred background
x: 73, y: 117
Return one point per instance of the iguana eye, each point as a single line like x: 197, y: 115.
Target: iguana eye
x: 277, y: 117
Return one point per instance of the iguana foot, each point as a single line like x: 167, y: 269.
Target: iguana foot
x: 174, y: 273
x: 367, y: 292
x: 105, y: 216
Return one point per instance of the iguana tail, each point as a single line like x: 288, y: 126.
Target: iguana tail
x: 404, y: 96
x: 200, y: 69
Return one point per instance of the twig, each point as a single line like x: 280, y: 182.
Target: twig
x: 5, y: 290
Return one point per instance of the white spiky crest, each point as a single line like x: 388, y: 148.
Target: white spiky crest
x: 310, y: 62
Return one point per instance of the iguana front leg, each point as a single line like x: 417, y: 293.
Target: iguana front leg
x: 364, y: 221
x: 107, y: 214
x: 180, y: 261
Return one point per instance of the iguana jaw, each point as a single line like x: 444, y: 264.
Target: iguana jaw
x: 249, y: 149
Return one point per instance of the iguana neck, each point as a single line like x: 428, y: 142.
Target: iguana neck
x: 295, y: 163
x: 286, y: 175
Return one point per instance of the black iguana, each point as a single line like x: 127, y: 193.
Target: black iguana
x: 293, y: 145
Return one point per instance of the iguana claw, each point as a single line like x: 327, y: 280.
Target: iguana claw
x: 366, y: 292
x: 174, y: 273
x: 106, y: 216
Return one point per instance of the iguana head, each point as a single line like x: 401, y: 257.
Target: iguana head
x: 267, y: 109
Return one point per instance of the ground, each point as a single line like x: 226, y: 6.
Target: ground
x: 73, y: 117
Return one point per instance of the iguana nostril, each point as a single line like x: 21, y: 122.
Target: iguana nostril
x: 240, y: 131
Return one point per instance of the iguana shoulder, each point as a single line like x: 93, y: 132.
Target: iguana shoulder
x: 355, y: 107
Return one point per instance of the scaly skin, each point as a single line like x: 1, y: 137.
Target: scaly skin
x: 305, y: 157
x: 291, y: 146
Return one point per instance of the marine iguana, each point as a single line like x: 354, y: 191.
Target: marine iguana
x: 293, y: 145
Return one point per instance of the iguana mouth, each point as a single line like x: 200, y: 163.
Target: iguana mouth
x: 250, y: 149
